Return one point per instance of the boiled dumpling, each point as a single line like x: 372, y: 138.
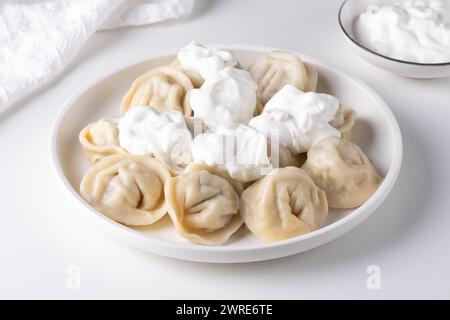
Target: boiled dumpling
x: 200, y: 62
x: 298, y: 119
x: 240, y: 150
x: 274, y: 70
x: 100, y: 139
x: 227, y: 97
x: 284, y: 204
x: 163, y: 135
x: 203, y: 203
x: 165, y: 88
x: 194, y: 76
x: 127, y: 188
x: 342, y: 170
x: 344, y: 121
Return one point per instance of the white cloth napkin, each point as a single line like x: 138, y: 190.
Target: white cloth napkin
x: 39, y: 38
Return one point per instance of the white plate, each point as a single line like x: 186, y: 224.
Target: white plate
x: 376, y: 131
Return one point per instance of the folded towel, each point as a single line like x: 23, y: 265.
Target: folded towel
x: 39, y: 38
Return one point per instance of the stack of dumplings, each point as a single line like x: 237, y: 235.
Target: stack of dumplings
x: 215, y: 147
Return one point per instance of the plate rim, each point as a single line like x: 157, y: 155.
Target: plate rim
x: 368, y: 207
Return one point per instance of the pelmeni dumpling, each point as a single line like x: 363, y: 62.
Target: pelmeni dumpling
x: 228, y: 97
x: 127, y: 188
x: 164, y: 135
x: 203, y: 204
x: 298, y: 119
x: 342, y: 170
x: 344, y: 121
x: 240, y: 150
x: 274, y: 70
x: 284, y: 204
x: 100, y: 139
x: 200, y: 62
x: 165, y: 88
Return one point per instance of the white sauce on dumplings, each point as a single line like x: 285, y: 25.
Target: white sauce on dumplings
x: 240, y: 150
x: 226, y: 98
x: 146, y: 131
x: 416, y: 30
x: 299, y: 119
x: 205, y: 61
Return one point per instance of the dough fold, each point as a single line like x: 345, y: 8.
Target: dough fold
x: 343, y: 171
x: 100, y: 139
x: 274, y: 70
x: 284, y: 204
x: 203, y: 204
x: 165, y: 88
x: 127, y: 188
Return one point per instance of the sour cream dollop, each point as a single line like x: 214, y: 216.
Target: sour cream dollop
x: 415, y: 30
x: 203, y: 60
x: 240, y: 150
x: 226, y: 98
x: 164, y: 135
x: 298, y: 120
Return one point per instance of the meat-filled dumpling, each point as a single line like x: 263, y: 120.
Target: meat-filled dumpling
x: 200, y: 62
x: 343, y: 171
x: 203, y: 203
x: 127, y: 188
x: 163, y: 135
x: 194, y: 76
x: 274, y: 70
x: 344, y: 121
x: 227, y: 97
x: 299, y: 119
x: 284, y: 204
x: 100, y: 139
x: 240, y: 150
x: 165, y: 88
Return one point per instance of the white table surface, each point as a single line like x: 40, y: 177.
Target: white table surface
x: 42, y: 234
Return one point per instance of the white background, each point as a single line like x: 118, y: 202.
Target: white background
x: 41, y: 234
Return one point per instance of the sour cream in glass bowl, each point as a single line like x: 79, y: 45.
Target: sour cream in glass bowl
x: 405, y: 37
